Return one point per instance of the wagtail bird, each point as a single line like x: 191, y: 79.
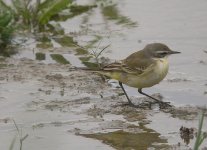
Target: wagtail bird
x: 141, y: 69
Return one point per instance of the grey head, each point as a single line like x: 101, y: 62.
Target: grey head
x: 158, y: 50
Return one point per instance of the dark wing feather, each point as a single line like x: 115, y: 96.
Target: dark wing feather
x: 132, y: 64
x: 137, y: 62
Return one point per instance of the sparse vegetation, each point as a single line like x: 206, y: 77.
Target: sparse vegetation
x: 59, y: 59
x: 40, y: 56
x: 35, y: 17
x: 20, y: 137
x: 200, y: 135
x: 6, y: 31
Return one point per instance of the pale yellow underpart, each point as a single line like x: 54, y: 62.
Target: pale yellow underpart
x: 151, y: 76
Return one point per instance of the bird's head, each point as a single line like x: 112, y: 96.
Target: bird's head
x: 158, y: 50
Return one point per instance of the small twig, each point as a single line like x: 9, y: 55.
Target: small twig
x: 99, y: 44
x: 94, y: 53
x: 103, y: 50
x: 97, y: 55
x: 16, y: 126
x: 21, y: 139
x: 12, y: 143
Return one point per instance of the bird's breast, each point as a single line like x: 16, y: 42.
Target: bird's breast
x: 161, y: 68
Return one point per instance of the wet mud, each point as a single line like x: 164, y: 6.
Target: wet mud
x: 81, y: 103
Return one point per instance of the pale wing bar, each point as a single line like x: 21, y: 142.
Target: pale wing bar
x: 117, y: 66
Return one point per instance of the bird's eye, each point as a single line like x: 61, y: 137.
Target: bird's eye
x: 162, y: 53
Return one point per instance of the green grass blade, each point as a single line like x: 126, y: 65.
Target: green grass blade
x: 5, y: 19
x: 11, y: 147
x: 199, y: 138
x: 46, y: 4
x: 55, y: 8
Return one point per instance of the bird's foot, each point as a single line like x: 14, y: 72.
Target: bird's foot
x: 148, y: 104
x: 130, y: 104
x: 133, y: 105
x: 164, y: 105
x: 124, y: 104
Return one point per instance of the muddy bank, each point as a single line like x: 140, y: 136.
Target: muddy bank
x: 54, y: 101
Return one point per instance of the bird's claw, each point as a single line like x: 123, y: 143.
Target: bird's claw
x: 162, y: 105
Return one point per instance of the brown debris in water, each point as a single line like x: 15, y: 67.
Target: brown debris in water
x: 186, y: 134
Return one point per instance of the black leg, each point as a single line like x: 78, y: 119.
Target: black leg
x: 140, y: 91
x: 130, y: 103
x: 157, y: 100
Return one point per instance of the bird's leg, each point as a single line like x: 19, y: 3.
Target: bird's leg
x: 157, y: 100
x: 130, y: 103
x: 140, y: 91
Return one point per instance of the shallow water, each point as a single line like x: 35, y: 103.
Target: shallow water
x: 179, y: 24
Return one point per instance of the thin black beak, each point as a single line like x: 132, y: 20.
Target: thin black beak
x: 174, y: 52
